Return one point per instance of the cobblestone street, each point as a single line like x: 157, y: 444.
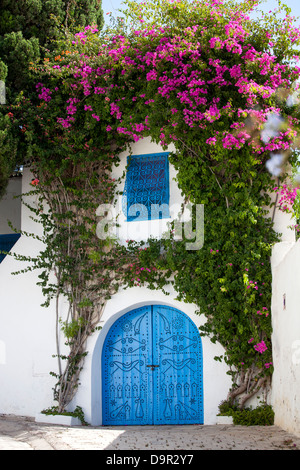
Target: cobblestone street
x: 19, y: 433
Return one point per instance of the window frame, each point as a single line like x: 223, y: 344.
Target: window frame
x: 128, y: 193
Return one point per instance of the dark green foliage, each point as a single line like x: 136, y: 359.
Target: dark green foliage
x: 260, y: 416
x: 28, y: 28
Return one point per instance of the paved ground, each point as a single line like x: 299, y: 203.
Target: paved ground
x: 19, y: 433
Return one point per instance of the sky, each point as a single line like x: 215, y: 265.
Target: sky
x: 113, y: 5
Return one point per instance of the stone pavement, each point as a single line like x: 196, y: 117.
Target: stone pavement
x: 21, y: 433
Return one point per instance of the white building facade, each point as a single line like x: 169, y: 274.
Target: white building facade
x: 27, y: 333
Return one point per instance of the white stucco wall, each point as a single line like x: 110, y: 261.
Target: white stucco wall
x: 286, y: 325
x: 26, y: 331
x: 286, y: 336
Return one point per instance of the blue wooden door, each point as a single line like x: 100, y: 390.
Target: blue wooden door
x: 152, y: 369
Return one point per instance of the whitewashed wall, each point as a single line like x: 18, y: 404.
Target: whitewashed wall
x: 26, y: 331
x: 286, y: 336
x: 286, y: 325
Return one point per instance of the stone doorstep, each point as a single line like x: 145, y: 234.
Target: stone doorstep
x: 62, y: 420
x: 224, y: 420
x: 71, y: 421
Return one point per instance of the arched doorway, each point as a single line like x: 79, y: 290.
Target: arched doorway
x: 152, y: 369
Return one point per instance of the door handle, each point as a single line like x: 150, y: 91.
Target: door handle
x: 152, y: 366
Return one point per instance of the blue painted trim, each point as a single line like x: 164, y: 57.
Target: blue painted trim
x: 166, y: 196
x: 6, y: 244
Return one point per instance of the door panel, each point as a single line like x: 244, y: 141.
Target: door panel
x: 127, y: 384
x: 178, y: 396
x: 152, y: 369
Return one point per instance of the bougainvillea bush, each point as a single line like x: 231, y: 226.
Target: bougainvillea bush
x: 212, y: 79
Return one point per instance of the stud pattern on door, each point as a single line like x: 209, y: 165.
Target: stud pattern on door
x: 152, y: 369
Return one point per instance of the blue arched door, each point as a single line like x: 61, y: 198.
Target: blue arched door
x: 152, y: 369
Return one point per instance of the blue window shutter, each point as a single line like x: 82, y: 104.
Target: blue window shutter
x: 7, y: 242
x: 146, y: 194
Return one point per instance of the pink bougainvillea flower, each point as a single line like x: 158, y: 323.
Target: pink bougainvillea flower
x: 260, y: 347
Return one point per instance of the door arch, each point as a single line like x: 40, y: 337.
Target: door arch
x: 152, y: 369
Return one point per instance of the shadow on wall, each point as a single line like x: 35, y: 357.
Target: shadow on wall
x: 10, y: 206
